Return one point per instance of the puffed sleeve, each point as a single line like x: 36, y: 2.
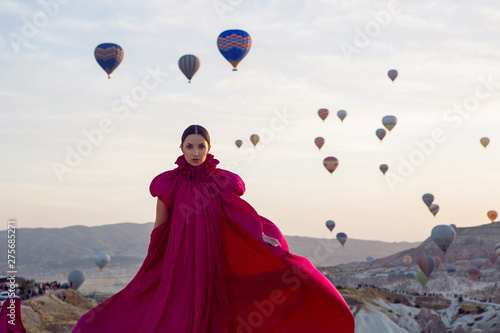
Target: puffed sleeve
x: 229, y: 182
x: 163, y: 186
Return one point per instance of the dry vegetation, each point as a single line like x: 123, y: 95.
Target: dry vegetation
x: 48, y: 314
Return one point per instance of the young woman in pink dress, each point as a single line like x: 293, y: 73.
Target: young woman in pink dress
x: 214, y: 265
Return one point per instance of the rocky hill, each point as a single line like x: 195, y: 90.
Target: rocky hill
x: 448, y: 303
x: 469, y: 243
x: 375, y: 311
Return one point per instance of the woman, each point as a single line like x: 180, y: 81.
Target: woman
x: 215, y: 266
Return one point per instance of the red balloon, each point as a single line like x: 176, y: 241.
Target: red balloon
x: 331, y: 163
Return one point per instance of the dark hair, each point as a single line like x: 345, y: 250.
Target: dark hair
x: 195, y: 129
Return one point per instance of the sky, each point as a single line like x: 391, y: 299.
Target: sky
x: 78, y: 148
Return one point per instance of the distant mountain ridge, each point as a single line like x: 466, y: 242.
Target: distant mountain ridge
x: 469, y: 243
x: 75, y: 247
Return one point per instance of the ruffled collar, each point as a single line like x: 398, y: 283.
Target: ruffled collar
x: 203, y: 171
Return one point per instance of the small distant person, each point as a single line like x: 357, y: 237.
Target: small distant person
x: 214, y: 265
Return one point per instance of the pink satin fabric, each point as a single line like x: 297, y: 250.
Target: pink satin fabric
x: 10, y: 316
x: 208, y: 270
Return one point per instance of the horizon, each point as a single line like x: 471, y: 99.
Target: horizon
x: 331, y: 235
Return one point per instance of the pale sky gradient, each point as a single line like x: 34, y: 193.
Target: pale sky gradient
x: 52, y: 90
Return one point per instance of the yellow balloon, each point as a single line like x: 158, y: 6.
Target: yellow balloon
x: 492, y: 215
x: 484, y: 141
x: 407, y: 260
x: 254, y: 138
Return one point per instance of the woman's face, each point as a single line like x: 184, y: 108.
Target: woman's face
x: 195, y: 149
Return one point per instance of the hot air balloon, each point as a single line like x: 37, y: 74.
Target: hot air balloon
x: 330, y: 225
x: 478, y: 262
x: 497, y: 248
x: 426, y: 264
x: 437, y: 262
x: 189, y: 65
x: 380, y: 133
x: 407, y: 260
x: 341, y: 114
x: 238, y: 143
x: 492, y: 215
x: 411, y: 274
x: 428, y: 199
x: 342, y: 238
x: 323, y: 113
x: 451, y: 269
x: 234, y: 45
x: 108, y: 56
x: 493, y: 256
x: 434, y: 209
x: 370, y: 259
x: 422, y: 278
x: 393, y: 74
x: 474, y: 273
x: 101, y: 260
x: 76, y: 278
x: 485, y: 141
x: 389, y: 122
x: 254, y: 138
x: 330, y: 163
x: 319, y: 141
x: 384, y: 168
x: 399, y: 269
x: 443, y: 235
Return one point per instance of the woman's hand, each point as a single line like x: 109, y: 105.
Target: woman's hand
x: 271, y: 241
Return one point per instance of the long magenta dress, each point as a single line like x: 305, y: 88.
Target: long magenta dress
x: 10, y: 317
x: 208, y: 270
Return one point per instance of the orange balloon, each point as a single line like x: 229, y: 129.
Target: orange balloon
x: 492, y: 215
x: 331, y: 163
